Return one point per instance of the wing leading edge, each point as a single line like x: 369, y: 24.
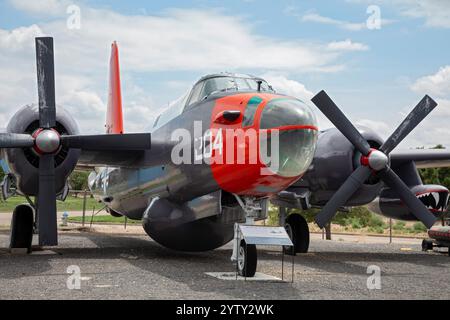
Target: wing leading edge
x: 423, y: 158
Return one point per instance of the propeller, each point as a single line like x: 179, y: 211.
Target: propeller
x: 46, y: 141
x: 373, y: 161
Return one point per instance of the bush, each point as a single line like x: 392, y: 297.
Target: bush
x: 378, y: 229
x: 419, y: 227
x: 356, y: 225
x: 399, y: 225
x: 356, y: 218
x: 376, y: 222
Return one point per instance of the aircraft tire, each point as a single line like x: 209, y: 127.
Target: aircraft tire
x: 247, y: 260
x: 427, y: 245
x: 22, y: 228
x: 298, y: 230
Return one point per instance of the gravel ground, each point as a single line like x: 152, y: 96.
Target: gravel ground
x: 131, y: 266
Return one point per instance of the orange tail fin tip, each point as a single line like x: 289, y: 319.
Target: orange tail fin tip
x: 114, y: 116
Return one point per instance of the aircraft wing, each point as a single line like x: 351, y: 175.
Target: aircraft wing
x: 423, y: 158
x: 89, y: 160
x: 158, y: 152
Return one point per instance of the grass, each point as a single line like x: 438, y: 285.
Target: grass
x: 71, y: 204
x: 104, y: 219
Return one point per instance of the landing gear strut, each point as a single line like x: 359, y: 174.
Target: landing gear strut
x: 298, y: 230
x: 22, y: 228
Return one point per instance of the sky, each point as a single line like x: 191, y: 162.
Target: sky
x: 375, y: 58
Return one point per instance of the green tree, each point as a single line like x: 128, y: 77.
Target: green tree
x: 78, y: 180
x: 440, y: 176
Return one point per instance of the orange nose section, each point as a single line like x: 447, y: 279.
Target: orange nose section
x: 243, y: 155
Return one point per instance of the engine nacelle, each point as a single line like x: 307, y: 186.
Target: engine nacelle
x: 334, y: 161
x: 202, y: 224
x: 434, y: 197
x: 24, y: 163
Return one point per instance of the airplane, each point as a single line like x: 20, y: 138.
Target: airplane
x: 217, y: 157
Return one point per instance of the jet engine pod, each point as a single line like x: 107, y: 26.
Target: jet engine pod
x: 434, y: 197
x: 197, y: 225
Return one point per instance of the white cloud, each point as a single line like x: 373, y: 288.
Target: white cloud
x: 317, y: 18
x: 380, y: 127
x: 431, y: 131
x: 435, y: 128
x: 42, y: 7
x: 209, y: 41
x: 293, y: 88
x: 436, y: 13
x: 436, y: 84
x: 20, y: 38
x: 347, y: 45
x: 443, y: 109
x: 314, y: 17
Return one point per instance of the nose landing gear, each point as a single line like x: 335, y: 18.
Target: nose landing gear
x: 247, y: 260
x: 22, y: 228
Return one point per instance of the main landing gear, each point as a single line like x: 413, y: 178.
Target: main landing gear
x: 22, y: 226
x: 298, y: 230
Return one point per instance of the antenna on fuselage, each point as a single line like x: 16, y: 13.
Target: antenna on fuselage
x: 259, y: 85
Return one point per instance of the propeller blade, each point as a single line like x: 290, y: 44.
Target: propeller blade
x: 16, y: 140
x: 420, y: 112
x: 46, y: 82
x: 416, y: 206
x: 335, y: 115
x: 46, y: 202
x: 109, y: 142
x: 350, y: 186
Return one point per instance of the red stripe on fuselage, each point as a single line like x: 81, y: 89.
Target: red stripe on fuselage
x: 293, y: 127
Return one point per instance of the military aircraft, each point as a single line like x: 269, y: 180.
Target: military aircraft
x: 216, y: 157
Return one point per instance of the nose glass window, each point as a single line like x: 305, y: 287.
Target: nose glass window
x: 287, y: 112
x: 296, y: 147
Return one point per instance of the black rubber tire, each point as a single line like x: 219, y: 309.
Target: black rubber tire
x: 250, y: 260
x: 22, y: 228
x: 300, y: 234
x: 427, y: 245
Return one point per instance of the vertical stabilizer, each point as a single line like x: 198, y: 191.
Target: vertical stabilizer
x: 114, y: 116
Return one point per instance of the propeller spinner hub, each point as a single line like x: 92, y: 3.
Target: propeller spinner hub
x: 377, y: 160
x: 47, y: 141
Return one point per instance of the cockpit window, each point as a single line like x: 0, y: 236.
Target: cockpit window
x: 250, y: 111
x: 215, y: 85
x: 195, y: 95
